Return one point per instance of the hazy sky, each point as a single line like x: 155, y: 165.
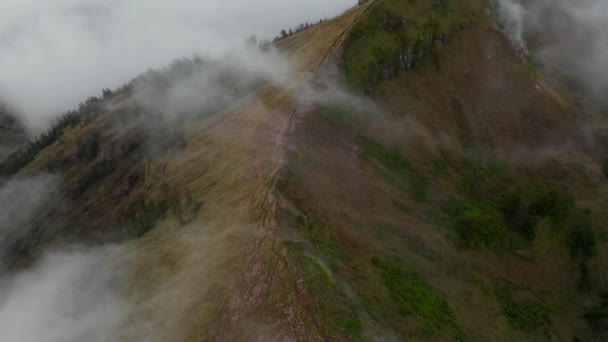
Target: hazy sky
x: 56, y: 53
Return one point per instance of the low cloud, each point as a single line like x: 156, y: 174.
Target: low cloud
x: 570, y: 36
x: 207, y: 84
x: 68, y: 296
x: 55, y: 54
x: 22, y: 201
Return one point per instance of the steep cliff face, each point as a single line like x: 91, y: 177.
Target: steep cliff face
x: 401, y: 172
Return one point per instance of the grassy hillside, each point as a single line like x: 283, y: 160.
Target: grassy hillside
x: 468, y: 206
x: 454, y: 198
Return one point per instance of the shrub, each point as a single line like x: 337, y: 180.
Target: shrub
x: 320, y: 235
x: 517, y: 214
x: 525, y: 315
x: 413, y: 295
x: 476, y: 224
x: 18, y: 160
x: 605, y: 168
x: 597, y: 316
x: 89, y: 149
x: 390, y: 158
x: 395, y: 167
x: 524, y: 206
x: 581, y: 238
x: 336, y: 315
x: 301, y: 27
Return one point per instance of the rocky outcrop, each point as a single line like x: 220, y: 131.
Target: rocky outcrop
x: 408, y: 57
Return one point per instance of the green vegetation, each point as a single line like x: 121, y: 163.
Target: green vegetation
x: 336, y: 317
x: 414, y: 296
x: 301, y: 27
x: 581, y: 237
x: 581, y: 242
x: 21, y: 158
x: 390, y: 158
x: 320, y: 236
x: 316, y: 259
x: 337, y: 116
x: 518, y: 206
x: 89, y: 109
x: 89, y: 149
x: 145, y: 211
x: 86, y: 111
x: 397, y: 35
x: 146, y: 216
x: 477, y: 224
x: 372, y: 42
x: 523, y: 206
x: 491, y: 197
x: 395, y: 167
x: 605, y: 168
x: 527, y: 315
x: 597, y: 316
x: 492, y: 203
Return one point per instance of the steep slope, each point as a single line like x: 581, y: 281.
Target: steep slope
x: 192, y: 192
x: 12, y: 135
x: 468, y: 205
x: 457, y: 197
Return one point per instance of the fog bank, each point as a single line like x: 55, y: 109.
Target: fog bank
x: 55, y: 54
x: 571, y: 36
x: 69, y: 296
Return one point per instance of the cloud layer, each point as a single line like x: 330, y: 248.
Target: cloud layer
x: 22, y: 202
x: 55, y: 54
x: 68, y: 297
x: 571, y: 36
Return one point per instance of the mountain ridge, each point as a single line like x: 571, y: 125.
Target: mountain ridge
x: 438, y: 203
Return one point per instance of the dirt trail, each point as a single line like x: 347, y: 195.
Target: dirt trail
x: 256, y: 294
x: 224, y: 276
x: 269, y: 203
